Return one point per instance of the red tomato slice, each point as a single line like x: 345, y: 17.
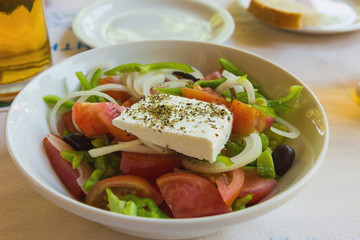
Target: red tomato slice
x: 117, y: 95
x: 230, y: 188
x: 204, y: 96
x: 247, y: 119
x: 149, y: 166
x: 122, y: 185
x: 85, y: 115
x: 214, y: 75
x: 108, y: 113
x: 189, y: 195
x: 95, y: 119
x: 53, y: 146
x: 256, y: 186
x: 69, y: 125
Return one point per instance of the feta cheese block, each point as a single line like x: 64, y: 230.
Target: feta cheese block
x: 188, y: 126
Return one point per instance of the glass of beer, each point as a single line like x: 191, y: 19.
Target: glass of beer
x: 24, y: 44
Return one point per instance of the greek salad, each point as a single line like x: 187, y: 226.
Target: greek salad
x: 162, y: 140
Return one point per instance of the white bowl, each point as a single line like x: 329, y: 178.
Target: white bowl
x: 27, y: 124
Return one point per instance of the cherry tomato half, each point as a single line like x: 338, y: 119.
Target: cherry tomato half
x: 122, y: 185
x: 189, y: 195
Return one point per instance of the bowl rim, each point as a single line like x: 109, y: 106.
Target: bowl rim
x: 66, y: 202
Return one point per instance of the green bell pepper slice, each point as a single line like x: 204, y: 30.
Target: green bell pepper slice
x: 53, y: 99
x: 137, y: 67
x: 170, y: 91
x: 265, y: 165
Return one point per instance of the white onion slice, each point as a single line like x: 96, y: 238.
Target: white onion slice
x: 250, y: 91
x: 130, y: 84
x: 52, y: 118
x: 85, y: 171
x: 227, y: 84
x: 239, y: 88
x: 197, y: 74
x: 121, y: 146
x: 132, y: 146
x: 170, y: 77
x: 154, y: 147
x: 152, y: 82
x: 251, y: 152
x: 292, y: 133
x: 106, y: 87
x: 232, y: 81
x: 140, y: 80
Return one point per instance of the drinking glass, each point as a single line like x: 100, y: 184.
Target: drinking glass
x: 24, y: 44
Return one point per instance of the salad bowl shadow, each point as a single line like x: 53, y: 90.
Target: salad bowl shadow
x: 27, y: 124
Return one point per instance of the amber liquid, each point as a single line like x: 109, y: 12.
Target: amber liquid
x: 24, y: 46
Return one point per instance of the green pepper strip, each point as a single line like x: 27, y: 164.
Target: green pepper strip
x: 264, y: 141
x: 170, y: 91
x: 228, y: 66
x: 93, y: 179
x: 120, y: 206
x: 102, y: 170
x: 232, y: 148
x: 224, y: 159
x: 53, y: 99
x: 136, y: 67
x: 94, y: 82
x: 83, y: 81
x: 143, y: 204
x: 265, y: 165
x: 210, y: 83
x: 74, y: 157
x: 240, y: 203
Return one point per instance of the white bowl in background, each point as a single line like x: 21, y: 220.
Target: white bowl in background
x: 27, y: 125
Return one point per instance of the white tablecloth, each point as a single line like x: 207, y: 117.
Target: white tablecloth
x: 329, y: 206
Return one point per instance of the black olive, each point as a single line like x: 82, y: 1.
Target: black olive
x: 186, y: 76
x: 78, y: 141
x: 283, y: 157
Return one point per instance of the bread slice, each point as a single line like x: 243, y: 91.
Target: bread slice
x: 284, y: 13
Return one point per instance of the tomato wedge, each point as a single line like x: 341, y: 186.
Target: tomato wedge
x: 230, y: 188
x: 67, y: 119
x: 122, y: 185
x: 256, y: 186
x: 189, y: 195
x: 108, y: 113
x: 117, y: 95
x: 85, y: 115
x: 95, y: 119
x: 53, y: 146
x: 204, y: 96
x: 149, y: 166
x: 247, y: 119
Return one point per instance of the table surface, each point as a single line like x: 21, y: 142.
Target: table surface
x: 329, y: 206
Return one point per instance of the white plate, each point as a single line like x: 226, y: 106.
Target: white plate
x: 108, y: 22
x: 338, y: 16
